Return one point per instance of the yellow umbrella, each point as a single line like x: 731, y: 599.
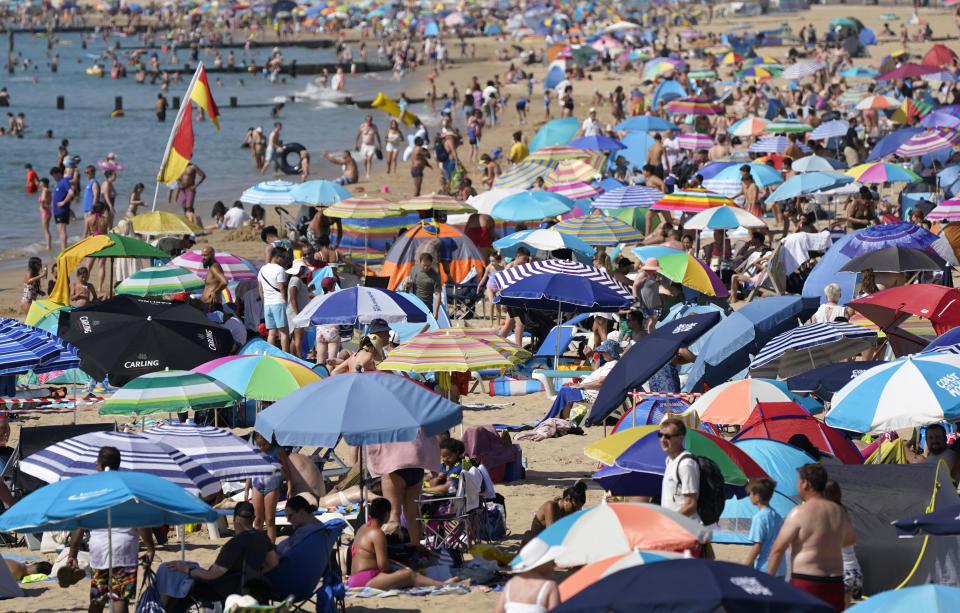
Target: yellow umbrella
x: 161, y: 223
x: 558, y: 152
x: 438, y: 202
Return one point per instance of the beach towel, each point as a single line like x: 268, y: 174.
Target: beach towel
x: 440, y: 590
x: 505, y: 386
x: 548, y: 428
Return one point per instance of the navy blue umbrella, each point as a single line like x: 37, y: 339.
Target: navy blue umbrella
x: 597, y: 143
x: 645, y: 358
x: 943, y: 522
x: 891, y: 142
x: 826, y: 381
x: 948, y: 342
x: 693, y: 586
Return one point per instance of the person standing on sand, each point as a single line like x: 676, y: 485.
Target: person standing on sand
x: 367, y: 142
x: 188, y: 183
x: 273, y: 283
x: 815, y: 532
x: 63, y: 193
x: 681, y: 478
x: 215, y: 282
x: 418, y: 161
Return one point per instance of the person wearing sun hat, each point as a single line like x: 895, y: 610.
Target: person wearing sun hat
x: 646, y: 289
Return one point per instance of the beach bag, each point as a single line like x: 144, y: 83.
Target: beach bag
x: 495, y: 522
x: 150, y: 601
x: 712, y: 494
x: 456, y: 177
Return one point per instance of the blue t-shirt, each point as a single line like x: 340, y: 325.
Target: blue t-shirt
x: 88, y: 196
x: 764, y: 529
x: 60, y: 192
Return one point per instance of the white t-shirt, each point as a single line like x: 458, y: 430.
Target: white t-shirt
x: 672, y: 146
x: 488, y: 91
x: 591, y: 127
x: 828, y: 312
x: 126, y: 545
x: 272, y: 278
x: 681, y: 477
x: 235, y: 217
x: 603, y: 371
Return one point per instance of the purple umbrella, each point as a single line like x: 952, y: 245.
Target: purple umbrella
x: 907, y: 70
x: 898, y: 234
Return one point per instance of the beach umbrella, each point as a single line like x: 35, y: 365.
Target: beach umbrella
x: 160, y: 280
x: 859, y: 72
x: 728, y: 183
x: 758, y: 73
x: 695, y: 141
x: 485, y: 201
x: 650, y: 412
x: 945, y: 522
x: 817, y: 163
x: 269, y: 193
x: 720, y: 586
x: 366, y: 408
x: 712, y: 169
x: 691, y: 201
x: 628, y: 196
x: 788, y: 126
x: 570, y: 171
x: 361, y: 208
x: 260, y: 377
x: 896, y: 234
x: 319, y: 191
x: 778, y: 459
x: 560, y: 284
x: 125, y: 247
x: 825, y: 381
x: 749, y: 126
x: 520, y: 177
x: 807, y: 347
x: 44, y: 314
x: 939, y: 55
x: 234, y: 268
x: 944, y: 76
x: 558, y: 152
x: 800, y: 70
x: 590, y: 574
x: 892, y: 306
x: 882, y: 172
x: 852, y: 95
x: 542, y: 239
x: 907, y: 70
x: 128, y: 336
x: 928, y: 141
x: 808, y: 183
x: 830, y: 129
x: 162, y: 223
x: 596, y: 228
x: 895, y: 259
x: 877, y: 102
x: 645, y: 123
x: 223, y: 454
x: 578, y: 190
x: 889, y: 143
x: 24, y: 347
x: 555, y: 132
x: 435, y: 202
x: 453, y: 350
x: 723, y: 218
x: 460, y: 256
x: 685, y: 269
x: 606, y: 530
x: 77, y: 456
x: 948, y: 210
x: 168, y: 391
x: 597, y: 143
x: 782, y: 420
x: 622, y: 25
x: 914, y: 390
x: 931, y: 597
x: 774, y: 144
x: 694, y: 106
x: 531, y: 206
x: 733, y: 401
x: 358, y: 305
x: 947, y: 116
x: 658, y: 68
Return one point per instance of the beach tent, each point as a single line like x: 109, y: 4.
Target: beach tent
x: 665, y: 92
x: 459, y: 253
x: 553, y: 78
x: 8, y: 585
x: 879, y: 494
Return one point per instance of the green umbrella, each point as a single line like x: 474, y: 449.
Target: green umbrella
x: 889, y: 17
x: 160, y: 280
x: 582, y: 54
x: 128, y: 247
x: 702, y: 74
x: 787, y: 126
x: 169, y: 391
x: 847, y: 21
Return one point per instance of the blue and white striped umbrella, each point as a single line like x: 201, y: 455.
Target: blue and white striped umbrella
x: 542, y: 239
x: 223, y: 454
x: 523, y: 175
x: 802, y: 69
x: 359, y: 305
x: 807, y: 347
x: 269, y: 193
x: 628, y: 196
x: 817, y: 163
x: 506, y: 278
x: 78, y: 456
x: 914, y: 390
x: 830, y: 129
x: 24, y: 348
x: 723, y: 217
x: 774, y: 144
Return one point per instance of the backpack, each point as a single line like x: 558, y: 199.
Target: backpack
x: 150, y: 601
x: 440, y: 151
x: 712, y: 492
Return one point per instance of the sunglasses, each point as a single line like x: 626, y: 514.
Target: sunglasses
x: 665, y: 435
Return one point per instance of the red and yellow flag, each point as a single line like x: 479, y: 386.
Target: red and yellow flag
x: 203, y: 96
x: 180, y: 149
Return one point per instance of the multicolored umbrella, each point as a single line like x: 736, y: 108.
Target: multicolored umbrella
x: 947, y: 116
x: 160, y: 280
x: 45, y: 314
x: 695, y: 141
x: 234, y: 268
x: 877, y: 102
x: 577, y: 190
x: 127, y: 247
x: 694, y: 106
x: 571, y: 171
x: 628, y: 196
x: 683, y: 268
x: 788, y: 126
x: 748, y: 126
x: 433, y: 201
x: 853, y: 95
x: 910, y: 110
x: 260, y: 377
x: 269, y: 193
x: 733, y: 401
x: 948, y: 210
x: 453, y: 350
x: 657, y: 68
x: 928, y: 142
x: 362, y: 208
x: 169, y: 391
x: 800, y: 70
x: 723, y: 218
x: 691, y: 201
x: 758, y: 73
x: 599, y: 229
x: 590, y: 574
x: 896, y: 234
x: 731, y: 58
x: 161, y: 223
x: 882, y: 172
x: 555, y: 153
x: 523, y: 175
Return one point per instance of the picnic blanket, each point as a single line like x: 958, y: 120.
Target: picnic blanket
x: 440, y: 590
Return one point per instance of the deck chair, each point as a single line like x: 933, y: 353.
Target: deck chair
x: 461, y: 298
x: 774, y: 283
x: 305, y: 566
x: 457, y: 525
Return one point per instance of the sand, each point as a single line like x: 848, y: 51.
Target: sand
x: 553, y: 464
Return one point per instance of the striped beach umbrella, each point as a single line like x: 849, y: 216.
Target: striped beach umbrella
x: 928, y: 142
x: 702, y: 73
x: 882, y: 172
x: 507, y: 277
x: 162, y: 223
x: 523, y: 175
x: 24, y: 347
x: 695, y: 141
x: 590, y: 574
x: 223, y: 454
x: 628, y: 196
x: 763, y: 60
x: 434, y: 201
x: 554, y: 153
x: 77, y: 456
x: 578, y: 190
x: 853, y: 95
x: 723, y: 218
x: 453, y: 350
x: 261, y: 377
x: 758, y: 73
x: 878, y: 102
x: 160, y: 280
x: 599, y: 229
x: 787, y: 126
x: 269, y: 193
x: 811, y: 346
x: 361, y: 208
x: 691, y: 201
x: 572, y: 171
x: 748, y: 126
x: 234, y: 268
x: 658, y: 67
x: 830, y: 129
x: 169, y: 391
x: 800, y: 70
x: 694, y: 106
x: 947, y: 116
x: 774, y: 144
x: 948, y: 210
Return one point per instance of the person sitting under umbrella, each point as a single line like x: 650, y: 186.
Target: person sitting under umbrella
x: 300, y: 513
x: 604, y: 359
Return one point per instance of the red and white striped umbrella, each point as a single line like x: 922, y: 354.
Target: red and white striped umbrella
x: 577, y: 190
x: 948, y: 210
x: 928, y: 142
x: 695, y: 141
x: 750, y: 126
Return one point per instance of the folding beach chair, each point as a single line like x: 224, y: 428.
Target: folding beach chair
x: 307, y: 565
x: 774, y: 283
x: 458, y: 523
x: 461, y: 298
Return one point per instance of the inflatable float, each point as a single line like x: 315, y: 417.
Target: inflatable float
x: 95, y: 71
x: 283, y: 162
x: 110, y: 162
x: 389, y: 106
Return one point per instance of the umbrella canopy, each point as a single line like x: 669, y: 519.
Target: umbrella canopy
x: 42, y: 312
x: 645, y: 123
x: 77, y: 456
x: 947, y: 116
x: 694, y: 106
x: 800, y: 70
x: 695, y: 141
x: 576, y: 285
x: 720, y: 586
x: 852, y: 95
x: 948, y: 210
x: 811, y: 346
x: 942, y: 522
x: 516, y: 179
x: 732, y: 402
x: 895, y: 259
x: 825, y: 381
x: 939, y: 55
x: 358, y: 305
x: 128, y: 247
x: 897, y: 234
x: 578, y: 190
x: 168, y: 391
x: 363, y: 408
x: 889, y: 143
x: 607, y: 530
x: 782, y: 420
x: 118, y: 499
x: 361, y: 208
x: 432, y: 201
x: 597, y: 143
x: 590, y: 574
x: 574, y: 170
x: 882, y: 172
x: 723, y: 218
x: 915, y: 390
x: 458, y: 253
x: 261, y: 377
x: 553, y: 153
x: 774, y: 144
x: 907, y: 70
x: 748, y: 126
x: 318, y: 191
x: 160, y: 280
x: 816, y: 163
x: 788, y: 126
x: 531, y: 206
x: 269, y: 193
x: 691, y: 201
x: 223, y: 454
x: 126, y: 337
x: 555, y: 132
x: 931, y: 597
x: 24, y: 348
x: 627, y: 197
x: 598, y: 229
x: 453, y: 350
x: 830, y: 129
x: 161, y: 223
x: 547, y: 239
x: 234, y: 268
x: 728, y: 181
x: 685, y: 269
x: 876, y: 102
x: 928, y: 141
x: 808, y: 183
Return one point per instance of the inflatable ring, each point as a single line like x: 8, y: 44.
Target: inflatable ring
x: 285, y: 166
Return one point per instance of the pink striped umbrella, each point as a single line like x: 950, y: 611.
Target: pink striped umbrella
x: 928, y: 142
x: 948, y: 210
x: 577, y: 190
x: 234, y: 268
x: 695, y: 141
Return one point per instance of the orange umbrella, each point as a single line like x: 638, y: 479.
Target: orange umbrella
x: 732, y: 403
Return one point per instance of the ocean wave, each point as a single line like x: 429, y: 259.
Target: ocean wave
x: 315, y: 93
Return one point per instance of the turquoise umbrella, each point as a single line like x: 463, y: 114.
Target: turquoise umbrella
x: 319, y: 192
x: 531, y: 206
x: 556, y: 132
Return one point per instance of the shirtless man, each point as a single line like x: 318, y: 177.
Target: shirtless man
x: 188, y: 183
x: 656, y: 182
x: 273, y: 147
x: 418, y: 161
x: 319, y: 227
x: 347, y: 164
x: 657, y: 157
x: 367, y: 142
x: 815, y: 532
x: 720, y: 149
x: 215, y: 282
x: 793, y: 150
x: 750, y: 193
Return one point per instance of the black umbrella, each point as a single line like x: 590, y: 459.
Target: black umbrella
x: 128, y: 336
x: 895, y: 259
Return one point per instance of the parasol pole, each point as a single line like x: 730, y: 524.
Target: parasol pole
x: 556, y: 350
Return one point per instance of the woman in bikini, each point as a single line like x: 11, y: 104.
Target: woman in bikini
x: 108, y: 194
x: 31, y: 283
x: 136, y: 200
x: 45, y: 198
x: 394, y: 140
x: 572, y: 501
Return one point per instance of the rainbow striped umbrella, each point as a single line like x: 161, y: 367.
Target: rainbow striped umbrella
x: 234, y: 268
x: 948, y: 210
x: 691, y: 201
x: 599, y: 229
x: 523, y: 175
x: 787, y: 126
x: 758, y: 73
x: 749, y: 126
x: 763, y: 60
x: 361, y: 208
x: 160, y: 280
x: 877, y: 102
x: 882, y: 172
x: 928, y: 142
x: 169, y: 391
x: 261, y: 377
x: 694, y: 106
x: 681, y: 267
x: 578, y: 190
x: 571, y: 171
x: 910, y: 110
x: 695, y: 141
x: 453, y: 350
x: 657, y: 68
x: 553, y: 153
x: 439, y: 202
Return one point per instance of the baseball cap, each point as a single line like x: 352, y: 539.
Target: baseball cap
x: 378, y: 325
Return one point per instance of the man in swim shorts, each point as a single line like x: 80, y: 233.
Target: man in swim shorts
x: 347, y: 164
x: 367, y: 142
x: 274, y: 145
x: 188, y: 183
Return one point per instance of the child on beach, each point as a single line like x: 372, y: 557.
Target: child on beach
x: 764, y: 526
x: 31, y: 283
x: 452, y: 464
x: 82, y: 291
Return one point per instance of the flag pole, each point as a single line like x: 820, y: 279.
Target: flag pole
x: 184, y: 103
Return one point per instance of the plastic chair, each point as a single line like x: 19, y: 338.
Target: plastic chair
x: 305, y: 565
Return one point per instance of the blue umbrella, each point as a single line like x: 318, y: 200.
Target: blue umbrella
x: 817, y: 163
x: 645, y: 358
x: 830, y: 129
x: 682, y: 310
x: 635, y: 153
x: 930, y: 598
x: 807, y: 347
x: 827, y: 271
x: 627, y: 197
x: 542, y: 240
x: 714, y: 168
x: 363, y: 408
x: 942, y: 522
x: 554, y: 76
x: 24, y: 347
x: 859, y: 72
x: 269, y: 193
x: 808, y: 183
x: 562, y: 291
x: 826, y: 381
x: 743, y: 333
x: 948, y: 342
x: 361, y: 305
x: 665, y: 92
x: 645, y: 123
x: 597, y: 143
x: 693, y: 586
x: 555, y: 132
x: 897, y: 234
x: 891, y: 142
x: 727, y: 181
x: 531, y: 206
x: 319, y: 192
